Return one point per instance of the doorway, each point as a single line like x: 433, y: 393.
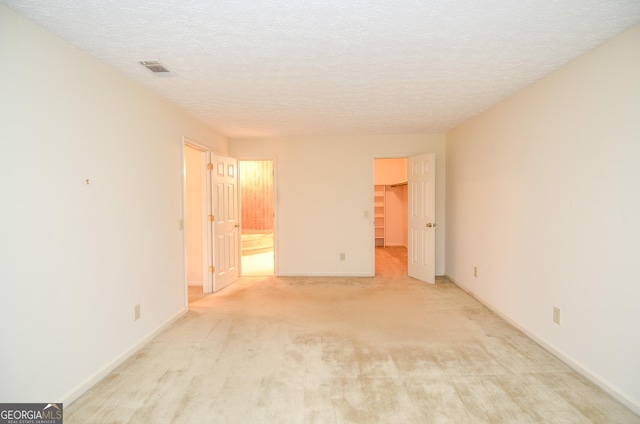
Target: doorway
x: 211, y: 221
x: 391, y: 216
x: 258, y: 211
x: 194, y: 191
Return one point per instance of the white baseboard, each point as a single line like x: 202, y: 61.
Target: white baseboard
x: 81, y: 388
x: 575, y: 365
x: 326, y: 274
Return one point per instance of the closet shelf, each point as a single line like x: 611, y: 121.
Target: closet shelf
x: 379, y: 214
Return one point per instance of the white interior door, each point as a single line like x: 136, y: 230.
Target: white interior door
x: 224, y: 220
x: 422, y: 196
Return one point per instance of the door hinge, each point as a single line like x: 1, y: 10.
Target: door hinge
x: 210, y: 166
x: 212, y: 218
x: 212, y: 269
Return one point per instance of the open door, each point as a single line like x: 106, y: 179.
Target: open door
x: 224, y: 222
x: 421, y: 178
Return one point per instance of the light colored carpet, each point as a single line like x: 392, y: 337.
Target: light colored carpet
x: 343, y: 350
x: 195, y: 293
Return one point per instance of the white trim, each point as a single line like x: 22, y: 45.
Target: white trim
x: 614, y: 391
x: 326, y: 274
x: 207, y: 279
x: 195, y: 144
x: 95, y: 378
x: 183, y: 176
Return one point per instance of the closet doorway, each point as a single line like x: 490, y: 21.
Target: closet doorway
x: 256, y: 179
x: 391, y: 215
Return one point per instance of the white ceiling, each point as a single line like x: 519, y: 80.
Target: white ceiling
x: 334, y: 67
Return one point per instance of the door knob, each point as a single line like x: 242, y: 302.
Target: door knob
x: 237, y: 225
x: 429, y: 225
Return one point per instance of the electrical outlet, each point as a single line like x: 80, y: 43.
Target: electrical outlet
x: 475, y: 271
x: 136, y: 312
x: 556, y: 315
x: 343, y: 256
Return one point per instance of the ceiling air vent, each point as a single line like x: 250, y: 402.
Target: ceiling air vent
x: 155, y: 66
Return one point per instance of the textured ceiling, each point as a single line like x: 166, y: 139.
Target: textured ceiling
x: 334, y: 67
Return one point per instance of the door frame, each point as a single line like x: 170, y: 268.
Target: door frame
x: 207, y: 280
x: 275, y: 205
x: 372, y: 204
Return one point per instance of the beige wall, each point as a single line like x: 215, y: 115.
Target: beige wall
x: 324, y: 186
x: 543, y: 197
x: 77, y: 257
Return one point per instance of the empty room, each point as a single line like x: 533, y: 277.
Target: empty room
x: 491, y: 278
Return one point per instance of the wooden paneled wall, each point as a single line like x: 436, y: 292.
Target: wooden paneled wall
x: 256, y: 191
